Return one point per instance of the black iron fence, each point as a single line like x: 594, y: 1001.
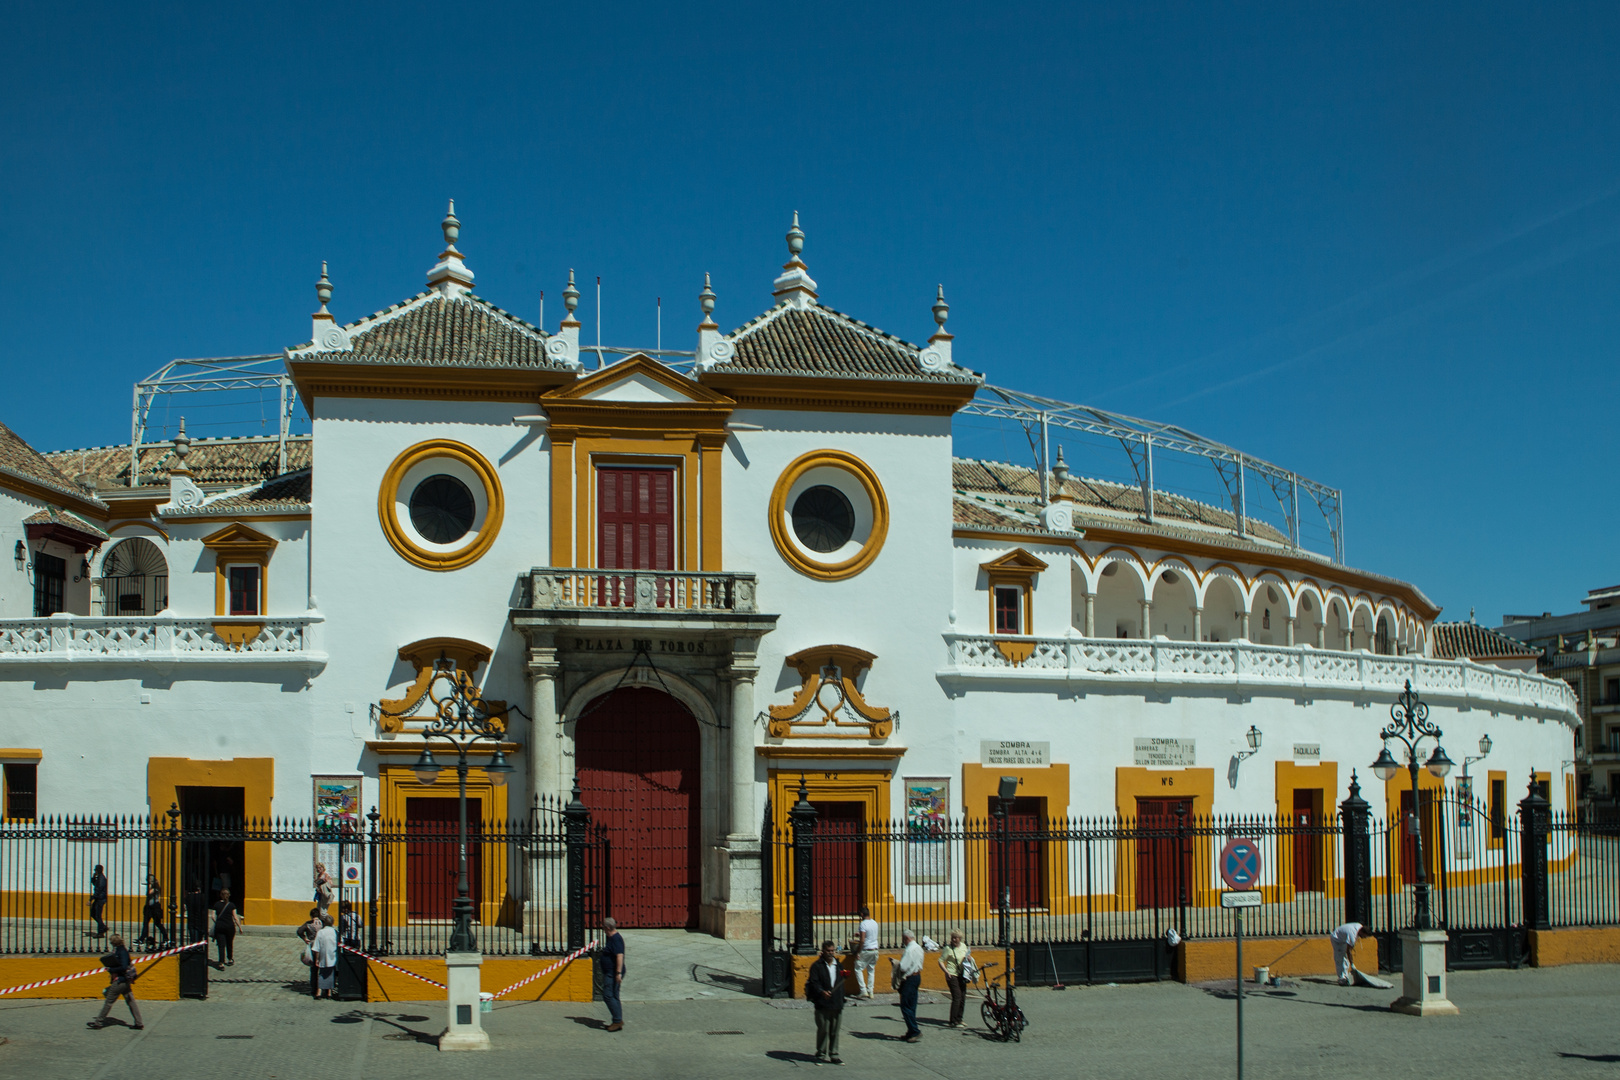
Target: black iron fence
x: 1089, y: 898
x: 537, y: 883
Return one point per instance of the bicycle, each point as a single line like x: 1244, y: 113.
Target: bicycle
x: 1005, y: 1019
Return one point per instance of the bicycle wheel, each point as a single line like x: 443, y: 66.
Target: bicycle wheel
x: 1016, y: 1023
x: 987, y: 1011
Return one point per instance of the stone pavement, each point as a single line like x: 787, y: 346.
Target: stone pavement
x: 1556, y: 1022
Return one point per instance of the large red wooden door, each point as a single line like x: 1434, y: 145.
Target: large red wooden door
x: 840, y: 867
x: 1163, y: 861
x: 1026, y: 872
x: 637, y: 755
x: 1307, y: 847
x: 635, y: 526
x: 432, y: 858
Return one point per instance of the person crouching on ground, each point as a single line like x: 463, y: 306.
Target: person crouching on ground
x: 824, y: 987
x: 612, y: 962
x: 1344, y: 940
x: 121, y: 970
x: 951, y: 958
x: 907, y: 978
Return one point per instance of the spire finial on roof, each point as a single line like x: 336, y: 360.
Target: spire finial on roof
x: 450, y: 275
x: 570, y: 298
x: 942, y: 310
x: 1060, y: 469
x: 182, y: 447
x: 795, y: 286
x: 706, y: 302
x: 323, y: 290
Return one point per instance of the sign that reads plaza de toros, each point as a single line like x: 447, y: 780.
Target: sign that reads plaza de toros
x: 1014, y: 752
x: 1162, y: 753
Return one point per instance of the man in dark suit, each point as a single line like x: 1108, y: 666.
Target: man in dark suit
x: 824, y: 988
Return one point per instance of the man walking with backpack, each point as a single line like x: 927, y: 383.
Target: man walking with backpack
x: 121, y: 970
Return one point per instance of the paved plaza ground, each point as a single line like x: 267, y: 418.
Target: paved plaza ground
x: 694, y: 1017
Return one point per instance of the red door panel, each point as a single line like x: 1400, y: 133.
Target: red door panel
x: 635, y: 514
x: 1163, y: 862
x: 1026, y: 870
x: 1307, y: 841
x: 840, y: 866
x: 432, y: 862
x: 638, y: 760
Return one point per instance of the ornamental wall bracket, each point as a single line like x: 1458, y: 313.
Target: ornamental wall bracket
x: 444, y: 657
x: 828, y: 704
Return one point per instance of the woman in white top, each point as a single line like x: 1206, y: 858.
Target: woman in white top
x: 325, y: 950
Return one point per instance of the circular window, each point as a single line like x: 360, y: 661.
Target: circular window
x: 828, y: 515
x: 440, y: 505
x: 823, y: 519
x: 442, y: 509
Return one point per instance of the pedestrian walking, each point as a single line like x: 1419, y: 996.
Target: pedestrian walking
x: 348, y: 925
x: 152, y: 913
x: 121, y: 983
x: 325, y: 950
x: 952, y: 958
x: 306, y: 933
x: 612, y: 962
x: 227, y: 921
x: 824, y: 987
x: 323, y: 887
x: 1344, y: 938
x: 98, y: 899
x: 906, y: 978
x: 866, y: 960
x: 196, y: 904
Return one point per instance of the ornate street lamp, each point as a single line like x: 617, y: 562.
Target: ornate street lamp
x: 1410, y: 724
x: 462, y: 720
x: 1005, y: 794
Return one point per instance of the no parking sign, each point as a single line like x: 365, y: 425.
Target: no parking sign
x: 1240, y: 864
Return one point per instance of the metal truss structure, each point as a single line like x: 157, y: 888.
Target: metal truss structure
x: 208, y: 375
x: 1139, y: 438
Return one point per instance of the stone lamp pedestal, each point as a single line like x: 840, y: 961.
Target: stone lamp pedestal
x: 466, y: 1030
x: 1423, y: 969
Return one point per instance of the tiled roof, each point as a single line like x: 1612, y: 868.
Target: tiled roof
x: 19, y: 459
x: 434, y: 330
x: 287, y: 494
x: 1019, y: 482
x: 211, y: 461
x: 52, y: 515
x: 1456, y: 640
x: 818, y: 341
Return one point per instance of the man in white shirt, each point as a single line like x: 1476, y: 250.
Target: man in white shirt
x: 907, y: 978
x: 866, y: 959
x: 1344, y: 940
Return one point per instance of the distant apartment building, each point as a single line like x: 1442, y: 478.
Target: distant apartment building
x: 1583, y: 649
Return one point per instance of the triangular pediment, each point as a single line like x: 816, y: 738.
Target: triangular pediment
x: 638, y: 380
x: 1016, y: 561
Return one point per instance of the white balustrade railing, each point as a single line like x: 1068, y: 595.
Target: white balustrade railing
x: 78, y: 638
x: 1245, y: 664
x: 640, y: 590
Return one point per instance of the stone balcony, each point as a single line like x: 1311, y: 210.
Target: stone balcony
x: 1244, y: 667
x: 583, y: 589
x: 80, y: 639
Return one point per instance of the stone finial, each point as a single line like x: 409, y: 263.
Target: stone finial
x: 323, y: 290
x: 182, y: 447
x: 450, y: 276
x: 1060, y: 470
x: 706, y: 302
x: 570, y: 298
x: 938, y: 353
x: 942, y: 310
x: 794, y: 285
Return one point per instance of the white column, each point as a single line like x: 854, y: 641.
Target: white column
x: 545, y: 737
x: 1290, y: 629
x: 1243, y: 625
x: 1147, y: 620
x: 742, y: 820
x: 1321, y: 635
x: 1198, y: 624
x: 1091, y: 614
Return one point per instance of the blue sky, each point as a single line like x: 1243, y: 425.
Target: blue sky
x: 1377, y: 245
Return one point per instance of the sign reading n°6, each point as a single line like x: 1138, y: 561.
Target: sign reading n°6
x: 1240, y: 864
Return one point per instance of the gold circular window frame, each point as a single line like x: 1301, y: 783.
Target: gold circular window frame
x: 388, y: 498
x: 781, y: 531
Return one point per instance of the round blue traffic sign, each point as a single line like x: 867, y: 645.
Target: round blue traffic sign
x: 1240, y: 864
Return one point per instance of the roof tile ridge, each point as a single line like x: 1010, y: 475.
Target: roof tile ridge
x: 758, y: 322
x: 391, y: 312
x: 883, y: 336
x: 479, y: 301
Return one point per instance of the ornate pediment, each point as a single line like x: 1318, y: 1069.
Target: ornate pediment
x: 828, y: 703
x: 436, y: 659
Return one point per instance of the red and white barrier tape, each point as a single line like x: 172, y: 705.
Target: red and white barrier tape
x: 101, y: 970
x: 575, y: 955
x: 404, y: 971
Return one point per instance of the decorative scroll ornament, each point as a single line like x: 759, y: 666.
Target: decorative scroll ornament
x: 828, y: 703
x: 440, y: 663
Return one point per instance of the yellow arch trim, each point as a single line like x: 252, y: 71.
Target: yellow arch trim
x: 868, y: 480
x: 388, y: 494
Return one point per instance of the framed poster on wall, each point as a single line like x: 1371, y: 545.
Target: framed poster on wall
x: 337, y: 817
x: 928, y: 849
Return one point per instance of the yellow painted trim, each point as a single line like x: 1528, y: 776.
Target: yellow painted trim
x: 257, y: 779
x: 398, y: 783
x: 571, y: 982
x: 159, y: 979
x: 316, y: 379
x: 562, y: 498
x: 830, y: 753
x: 868, y: 480
x: 13, y: 754
x: 1491, y: 775
x: 239, y: 545
x: 388, y: 496
x: 51, y: 497
x: 824, y: 394
x: 1132, y: 782
x: 710, y: 453
x: 869, y: 787
x: 1323, y: 777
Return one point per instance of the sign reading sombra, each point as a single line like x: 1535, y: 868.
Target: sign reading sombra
x: 1166, y: 753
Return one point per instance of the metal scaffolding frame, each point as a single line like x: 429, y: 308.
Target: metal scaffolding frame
x: 212, y: 374
x: 1140, y: 438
